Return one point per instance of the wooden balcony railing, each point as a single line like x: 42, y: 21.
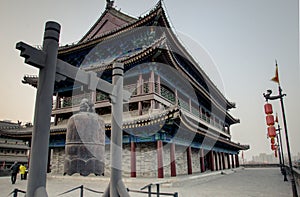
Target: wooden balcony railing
x: 200, y: 112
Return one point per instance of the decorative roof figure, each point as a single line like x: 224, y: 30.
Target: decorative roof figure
x: 109, y: 4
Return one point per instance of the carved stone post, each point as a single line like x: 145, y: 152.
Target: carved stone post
x: 36, y: 185
x: 116, y: 186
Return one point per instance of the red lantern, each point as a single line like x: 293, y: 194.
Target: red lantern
x: 271, y: 131
x: 270, y: 120
x: 273, y: 147
x: 268, y: 108
x: 272, y: 140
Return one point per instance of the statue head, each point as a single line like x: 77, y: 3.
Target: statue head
x: 84, y: 105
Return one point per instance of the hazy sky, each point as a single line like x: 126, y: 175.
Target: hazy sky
x: 242, y: 37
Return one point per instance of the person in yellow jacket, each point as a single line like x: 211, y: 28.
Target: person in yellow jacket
x: 22, y: 169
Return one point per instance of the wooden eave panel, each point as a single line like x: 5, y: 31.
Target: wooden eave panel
x: 112, y: 15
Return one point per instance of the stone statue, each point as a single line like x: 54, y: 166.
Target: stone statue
x: 85, y: 142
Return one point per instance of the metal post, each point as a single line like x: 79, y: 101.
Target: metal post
x: 279, y: 152
x: 149, y: 191
x: 157, y: 189
x: 41, y: 131
x: 282, y: 155
x: 81, y: 191
x: 15, y: 193
x: 295, y: 194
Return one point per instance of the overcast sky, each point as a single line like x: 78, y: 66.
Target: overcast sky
x: 242, y: 37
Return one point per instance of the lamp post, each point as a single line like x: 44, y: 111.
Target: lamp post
x: 279, y: 151
x: 281, y: 155
x: 280, y: 96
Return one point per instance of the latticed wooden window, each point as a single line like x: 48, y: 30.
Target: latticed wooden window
x: 156, y: 88
x: 166, y: 93
x: 67, y: 101
x: 183, y: 104
x: 100, y: 96
x: 146, y: 87
x: 195, y: 111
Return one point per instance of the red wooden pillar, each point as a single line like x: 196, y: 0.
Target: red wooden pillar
x: 237, y: 163
x: 160, y: 165
x: 232, y: 161
x: 151, y: 85
x: 151, y: 82
x: 173, y: 162
x: 158, y: 85
x: 159, y: 89
x: 223, y: 160
x: 216, y: 161
x: 140, y: 90
x: 202, y: 165
x: 220, y: 161
x: 133, y: 159
x: 140, y: 108
x: 189, y: 160
x: 212, y: 163
x: 228, y: 160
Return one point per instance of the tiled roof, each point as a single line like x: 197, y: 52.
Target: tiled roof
x: 8, y: 125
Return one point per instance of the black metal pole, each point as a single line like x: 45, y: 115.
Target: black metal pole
x: 295, y: 194
x: 81, y: 191
x: 149, y: 191
x: 15, y: 193
x: 282, y: 155
x: 279, y: 152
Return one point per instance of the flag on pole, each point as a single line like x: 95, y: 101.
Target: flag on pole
x: 276, y: 78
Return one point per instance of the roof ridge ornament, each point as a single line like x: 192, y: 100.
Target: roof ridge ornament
x: 159, y: 3
x: 109, y: 4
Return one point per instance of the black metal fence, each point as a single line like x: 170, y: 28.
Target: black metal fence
x: 81, y: 189
x: 15, y: 192
x: 149, y: 192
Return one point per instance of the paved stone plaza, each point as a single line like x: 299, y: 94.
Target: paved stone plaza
x: 256, y: 182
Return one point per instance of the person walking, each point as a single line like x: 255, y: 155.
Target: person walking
x: 22, y: 170
x: 14, y: 171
